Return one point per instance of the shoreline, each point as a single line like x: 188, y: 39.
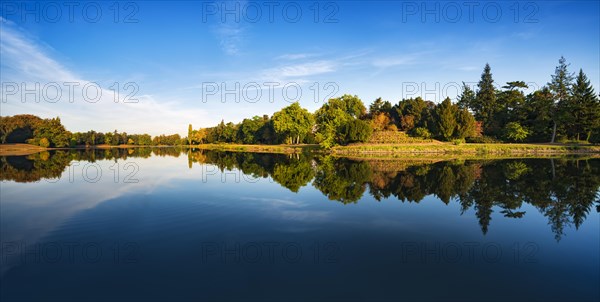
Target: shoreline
x: 376, y: 151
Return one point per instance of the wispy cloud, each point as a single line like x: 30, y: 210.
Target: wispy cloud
x: 302, y: 69
x: 26, y: 61
x: 295, y: 56
x: 230, y: 37
x: 231, y: 29
x: 394, y: 61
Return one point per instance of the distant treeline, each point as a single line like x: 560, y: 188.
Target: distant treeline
x: 31, y: 129
x: 567, y: 108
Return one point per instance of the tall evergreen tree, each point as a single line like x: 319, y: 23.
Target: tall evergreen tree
x: 560, y: 85
x: 467, y: 97
x: 486, y: 104
x: 539, y: 110
x: 466, y: 124
x: 445, y: 119
x: 583, y: 107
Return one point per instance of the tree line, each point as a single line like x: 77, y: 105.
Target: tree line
x: 31, y: 129
x: 567, y: 108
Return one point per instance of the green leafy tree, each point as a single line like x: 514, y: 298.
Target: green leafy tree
x: 421, y: 132
x: 108, y: 138
x: 356, y: 131
x: 53, y: 132
x: 293, y: 122
x: 334, y: 115
x: 412, y: 113
x: 512, y: 100
x: 515, y: 132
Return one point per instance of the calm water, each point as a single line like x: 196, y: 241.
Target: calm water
x: 166, y: 224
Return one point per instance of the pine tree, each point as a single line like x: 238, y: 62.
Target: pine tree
x: 560, y: 85
x: 486, y: 104
x: 465, y: 124
x: 445, y: 117
x: 467, y: 97
x: 584, y: 107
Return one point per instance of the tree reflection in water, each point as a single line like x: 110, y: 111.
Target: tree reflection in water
x: 563, y: 190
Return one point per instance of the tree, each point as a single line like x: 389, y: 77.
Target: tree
x: 293, y: 122
x: 249, y: 130
x: 115, y: 138
x: 539, y: 109
x: 412, y: 113
x: 560, y: 85
x: 583, y: 108
x: 445, y: 119
x: 356, y: 131
x: 466, y: 98
x: 515, y: 132
x: 18, y: 128
x: 379, y: 106
x: 515, y: 84
x: 334, y: 115
x: 190, y: 134
x: 465, y: 124
x: 53, y: 132
x: 380, y: 121
x: 512, y: 101
x: 108, y: 138
x: 486, y: 106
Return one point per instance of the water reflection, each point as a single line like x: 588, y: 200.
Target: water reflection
x: 564, y: 190
x: 52, y: 164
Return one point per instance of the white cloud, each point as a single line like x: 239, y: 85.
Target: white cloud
x: 298, y: 71
x: 25, y: 63
x: 295, y: 56
x: 230, y: 37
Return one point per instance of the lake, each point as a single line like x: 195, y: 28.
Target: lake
x: 192, y: 225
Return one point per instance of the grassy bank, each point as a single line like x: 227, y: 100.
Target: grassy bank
x: 286, y: 149
x: 19, y: 149
x: 421, y: 150
x: 437, y: 148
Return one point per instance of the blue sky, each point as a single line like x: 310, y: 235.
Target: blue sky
x: 181, y: 56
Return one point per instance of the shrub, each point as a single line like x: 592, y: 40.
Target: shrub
x: 458, y: 141
x: 515, y: 132
x: 391, y: 127
x: 421, y: 132
x: 356, y: 131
